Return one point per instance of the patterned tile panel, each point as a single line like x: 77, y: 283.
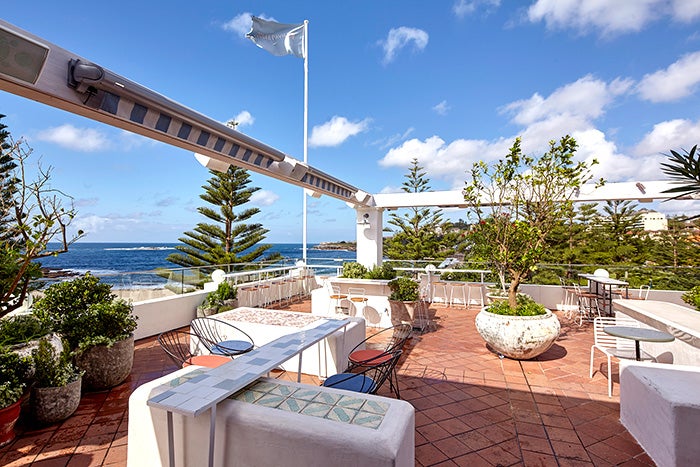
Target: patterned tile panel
x: 315, y: 403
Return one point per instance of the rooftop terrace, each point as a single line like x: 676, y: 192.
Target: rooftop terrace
x: 472, y: 408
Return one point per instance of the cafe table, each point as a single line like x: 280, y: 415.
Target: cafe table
x: 638, y: 334
x: 603, y: 287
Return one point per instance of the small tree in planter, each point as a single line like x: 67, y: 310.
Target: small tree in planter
x: 518, y: 202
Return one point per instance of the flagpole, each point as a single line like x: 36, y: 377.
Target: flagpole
x: 306, y: 128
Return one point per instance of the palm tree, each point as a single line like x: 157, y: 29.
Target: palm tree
x: 684, y: 168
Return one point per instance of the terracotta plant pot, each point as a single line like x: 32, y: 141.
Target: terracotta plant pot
x: 8, y: 419
x: 401, y: 312
x: 104, y: 366
x: 51, y: 405
x: 518, y: 337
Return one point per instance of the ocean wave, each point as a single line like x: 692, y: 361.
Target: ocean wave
x: 141, y: 248
x: 94, y: 272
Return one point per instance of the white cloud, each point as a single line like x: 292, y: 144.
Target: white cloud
x: 77, y: 139
x: 608, y: 17
x: 90, y: 223
x: 244, y: 118
x: 679, y: 80
x: 401, y: 37
x: 442, y: 108
x: 241, y: 24
x: 335, y: 131
x: 263, y: 198
x: 685, y: 10
x: 391, y: 189
x: 393, y: 139
x: 671, y: 134
x: 447, y: 161
x: 587, y: 98
x: 463, y: 8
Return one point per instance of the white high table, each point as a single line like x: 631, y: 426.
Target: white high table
x: 204, y: 392
x: 608, y: 283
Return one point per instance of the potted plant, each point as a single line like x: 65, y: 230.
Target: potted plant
x: 97, y: 326
x: 517, y: 203
x: 55, y: 394
x: 404, y: 294
x: 13, y: 374
x: 224, y: 298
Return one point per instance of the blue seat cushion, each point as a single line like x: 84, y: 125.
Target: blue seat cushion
x: 350, y: 382
x: 232, y: 347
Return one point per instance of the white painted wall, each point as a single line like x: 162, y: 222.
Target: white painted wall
x: 163, y: 314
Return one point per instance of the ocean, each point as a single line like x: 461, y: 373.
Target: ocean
x: 111, y: 261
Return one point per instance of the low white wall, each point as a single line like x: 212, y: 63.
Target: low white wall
x: 163, y: 314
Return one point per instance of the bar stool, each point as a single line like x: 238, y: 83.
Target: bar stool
x: 440, y: 294
x: 264, y: 296
x: 478, y: 290
x: 458, y: 294
x: 335, y: 300
x: 357, y: 297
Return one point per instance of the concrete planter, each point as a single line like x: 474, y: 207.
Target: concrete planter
x: 402, y: 312
x: 518, y: 337
x: 104, y: 366
x: 51, y: 405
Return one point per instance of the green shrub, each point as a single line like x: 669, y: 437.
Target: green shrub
x: 526, y: 307
x: 354, y: 270
x: 383, y: 272
x: 403, y: 289
x: 51, y: 370
x: 63, y: 299
x: 692, y: 297
x: 21, y: 328
x: 101, y: 323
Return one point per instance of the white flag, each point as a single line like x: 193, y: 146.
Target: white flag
x: 277, y: 38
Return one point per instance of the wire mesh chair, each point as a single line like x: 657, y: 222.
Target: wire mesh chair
x: 176, y: 344
x: 365, y: 378
x: 221, y: 338
x: 380, y: 346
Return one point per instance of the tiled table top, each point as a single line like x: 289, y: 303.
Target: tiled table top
x: 314, y: 402
x: 198, y: 394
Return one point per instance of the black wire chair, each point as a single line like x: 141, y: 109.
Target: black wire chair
x: 220, y: 337
x: 379, y: 346
x: 366, y: 378
x: 176, y: 344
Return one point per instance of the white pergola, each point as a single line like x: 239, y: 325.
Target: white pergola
x: 39, y: 70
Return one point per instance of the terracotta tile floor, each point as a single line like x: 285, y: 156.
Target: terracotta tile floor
x: 472, y: 408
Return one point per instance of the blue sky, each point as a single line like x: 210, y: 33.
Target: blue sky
x: 447, y: 82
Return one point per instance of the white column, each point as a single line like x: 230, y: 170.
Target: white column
x: 369, y: 236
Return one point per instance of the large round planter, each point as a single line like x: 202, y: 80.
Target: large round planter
x: 106, y: 366
x: 51, y: 405
x: 8, y: 419
x: 518, y: 337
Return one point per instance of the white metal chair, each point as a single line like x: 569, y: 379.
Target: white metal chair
x: 612, y: 346
x: 642, y: 294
